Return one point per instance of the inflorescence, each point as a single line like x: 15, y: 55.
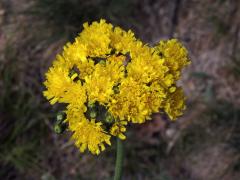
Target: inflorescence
x: 107, y: 78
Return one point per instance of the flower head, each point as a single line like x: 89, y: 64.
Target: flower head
x: 107, y: 78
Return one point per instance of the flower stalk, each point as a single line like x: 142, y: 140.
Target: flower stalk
x: 119, y: 160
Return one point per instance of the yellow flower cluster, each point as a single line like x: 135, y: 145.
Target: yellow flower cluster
x: 108, y: 78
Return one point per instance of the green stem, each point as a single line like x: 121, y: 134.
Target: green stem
x: 119, y: 160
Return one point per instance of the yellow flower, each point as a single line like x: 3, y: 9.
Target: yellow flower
x: 118, y: 129
x: 107, y: 78
x: 100, y: 83
x: 57, y: 82
x: 96, y: 38
x: 174, y: 54
x: 75, y: 95
x: 121, y: 40
x: 137, y: 101
x: 175, y: 104
x: 75, y: 52
x: 89, y: 134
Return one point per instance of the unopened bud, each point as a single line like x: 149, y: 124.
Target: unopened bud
x: 58, y: 129
x: 109, y: 118
x: 71, y: 73
x: 91, y: 105
x: 93, y: 114
x: 61, y: 116
x: 116, y: 89
x: 103, y: 62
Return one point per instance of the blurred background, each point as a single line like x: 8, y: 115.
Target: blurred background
x: 204, y: 144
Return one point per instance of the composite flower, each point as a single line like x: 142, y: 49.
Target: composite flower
x: 107, y: 78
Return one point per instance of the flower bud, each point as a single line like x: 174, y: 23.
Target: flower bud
x: 58, y: 129
x: 93, y: 114
x: 91, y: 104
x: 109, y: 118
x: 61, y: 116
x: 102, y: 62
x: 116, y: 89
x: 60, y: 125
